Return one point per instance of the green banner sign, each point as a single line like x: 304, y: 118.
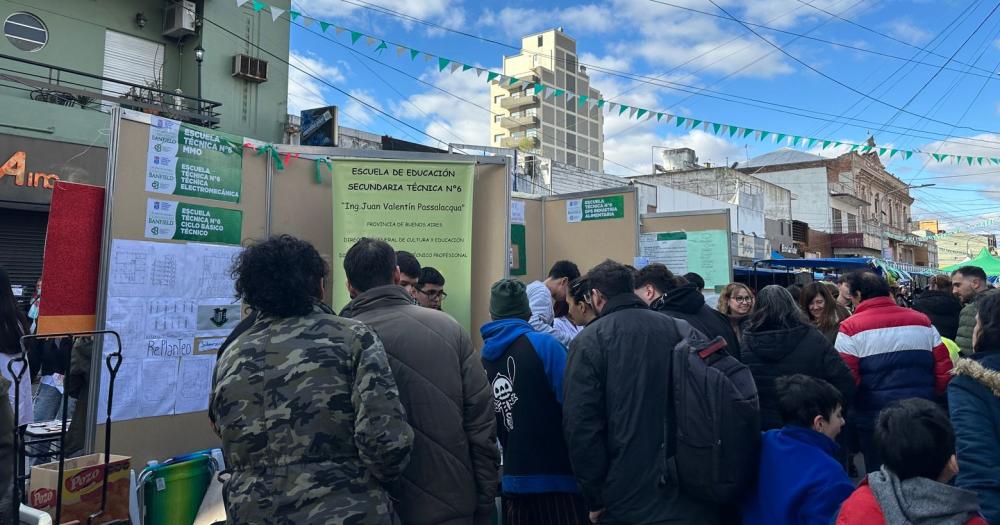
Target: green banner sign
x: 595, y: 208
x: 192, y: 222
x: 518, y: 250
x: 192, y: 161
x: 422, y: 207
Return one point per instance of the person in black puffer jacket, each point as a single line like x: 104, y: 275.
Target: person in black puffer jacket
x: 779, y: 341
x: 941, y: 305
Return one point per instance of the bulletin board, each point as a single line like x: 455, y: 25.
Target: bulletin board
x: 589, y: 236
x: 126, y: 208
x: 532, y: 253
x: 295, y: 199
x: 712, y: 259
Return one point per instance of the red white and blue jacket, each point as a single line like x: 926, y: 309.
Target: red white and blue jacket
x: 894, y: 353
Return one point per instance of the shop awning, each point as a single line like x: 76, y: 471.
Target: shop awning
x: 833, y: 262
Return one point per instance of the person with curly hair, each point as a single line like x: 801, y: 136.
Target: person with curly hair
x: 304, y: 401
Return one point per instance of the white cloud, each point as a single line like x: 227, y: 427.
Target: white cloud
x: 633, y: 149
x: 446, y: 12
x: 575, y: 20
x: 909, y: 32
x: 447, y: 118
x: 359, y: 112
x: 305, y: 91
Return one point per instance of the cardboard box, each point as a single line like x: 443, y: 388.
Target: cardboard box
x: 83, y: 478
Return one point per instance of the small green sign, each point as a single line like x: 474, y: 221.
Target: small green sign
x: 518, y: 250
x: 192, y: 222
x: 595, y: 208
x: 191, y: 161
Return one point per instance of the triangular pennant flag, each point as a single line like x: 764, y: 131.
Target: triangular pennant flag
x: 854, y: 147
x: 969, y: 159
x: 641, y: 113
x: 669, y: 117
x: 528, y: 85
x: 632, y: 112
x: 549, y: 93
x: 241, y: 3
x: 276, y: 13
x: 308, y: 22
x: 837, y: 144
x: 491, y: 76
x: 938, y: 157
x: 763, y: 134
x: 893, y: 152
x: 704, y: 126
x: 559, y: 92
x: 649, y: 115
x: 994, y: 160
x: 979, y: 160
x: 779, y: 137
x: 581, y: 100
x: 428, y: 57
x: 355, y: 36
x: 881, y: 152
x: 370, y: 41
x: 810, y: 143
x: 324, y: 26
x: 514, y: 80
x: 480, y: 71
x: 907, y: 154
x: 680, y: 121
x: 258, y: 6
x: 747, y: 132
x: 338, y: 30
x: 866, y: 149
x: 622, y: 109
x: 400, y: 50
x: 795, y: 140
x: 413, y: 54
x: 443, y: 63
x: 466, y: 67
x: 381, y: 47
x: 600, y: 103
x: 455, y: 66
x: 716, y: 128
x: 570, y: 96
x: 659, y: 116
x: 690, y: 124
x: 826, y: 144
x: 758, y: 134
x: 539, y: 88
x: 294, y: 14
x: 695, y: 123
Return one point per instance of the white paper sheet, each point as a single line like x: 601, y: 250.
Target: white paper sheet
x: 194, y: 383
x: 159, y: 386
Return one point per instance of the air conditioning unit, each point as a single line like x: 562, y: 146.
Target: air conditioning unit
x: 250, y: 68
x: 179, y: 20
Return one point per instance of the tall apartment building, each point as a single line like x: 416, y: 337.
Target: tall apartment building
x: 554, y: 127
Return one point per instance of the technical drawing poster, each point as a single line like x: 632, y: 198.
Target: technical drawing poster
x: 162, y: 299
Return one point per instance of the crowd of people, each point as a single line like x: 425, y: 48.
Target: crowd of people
x: 572, y: 411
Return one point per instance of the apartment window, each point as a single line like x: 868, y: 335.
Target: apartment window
x: 26, y: 32
x: 531, y: 112
x: 496, y: 99
x: 594, y: 150
x: 570, y: 141
x: 571, y: 122
x: 594, y: 165
x: 497, y: 138
x: 593, y: 130
x: 547, y: 77
x: 560, y: 119
x: 548, y: 133
x: 571, y: 83
x: 560, y: 155
x: 570, y: 158
x: 852, y: 223
x: 837, y: 224
x: 582, y: 145
x: 548, y: 152
x: 532, y: 132
x: 570, y: 104
x: 539, y: 40
x: 571, y: 63
x: 560, y: 78
x: 560, y: 59
x: 496, y: 118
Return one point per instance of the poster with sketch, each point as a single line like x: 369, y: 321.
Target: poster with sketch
x: 162, y: 298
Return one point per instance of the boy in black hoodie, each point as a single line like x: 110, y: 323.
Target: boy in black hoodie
x: 525, y: 369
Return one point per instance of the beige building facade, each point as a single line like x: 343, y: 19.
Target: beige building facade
x: 555, y: 127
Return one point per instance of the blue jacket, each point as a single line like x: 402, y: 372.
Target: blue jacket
x: 974, y: 403
x: 525, y: 369
x: 799, y: 481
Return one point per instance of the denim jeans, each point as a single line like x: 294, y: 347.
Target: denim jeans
x: 48, y: 406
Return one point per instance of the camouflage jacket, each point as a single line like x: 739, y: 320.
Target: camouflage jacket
x: 310, y: 421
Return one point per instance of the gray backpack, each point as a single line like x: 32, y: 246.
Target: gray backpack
x: 713, y: 420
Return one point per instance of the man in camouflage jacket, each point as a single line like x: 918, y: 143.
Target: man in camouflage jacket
x: 310, y: 421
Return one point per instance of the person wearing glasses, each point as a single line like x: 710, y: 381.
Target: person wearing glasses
x: 736, y: 302
x: 430, y: 288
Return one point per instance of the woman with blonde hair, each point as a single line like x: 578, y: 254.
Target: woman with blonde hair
x: 736, y: 302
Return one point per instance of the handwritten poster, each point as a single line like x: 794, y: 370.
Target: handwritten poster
x: 703, y: 252
x: 170, y: 303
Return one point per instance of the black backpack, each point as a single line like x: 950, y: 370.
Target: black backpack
x: 713, y: 420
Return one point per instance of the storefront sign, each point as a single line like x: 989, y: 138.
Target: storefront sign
x: 192, y: 161
x: 30, y: 168
x: 421, y: 207
x: 190, y: 222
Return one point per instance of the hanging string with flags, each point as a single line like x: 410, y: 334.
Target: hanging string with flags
x: 732, y: 131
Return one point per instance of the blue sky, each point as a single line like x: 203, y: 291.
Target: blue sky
x: 934, y: 59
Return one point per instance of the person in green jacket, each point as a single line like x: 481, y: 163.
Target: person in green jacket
x: 969, y: 284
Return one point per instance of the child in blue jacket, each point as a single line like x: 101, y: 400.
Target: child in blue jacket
x: 800, y: 480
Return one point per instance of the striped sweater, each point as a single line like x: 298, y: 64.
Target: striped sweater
x: 894, y: 353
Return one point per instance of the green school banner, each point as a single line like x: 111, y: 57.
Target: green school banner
x: 421, y: 207
x: 191, y: 161
x: 181, y: 221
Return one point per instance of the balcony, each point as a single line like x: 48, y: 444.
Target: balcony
x: 70, y: 88
x: 855, y: 240
x: 513, y: 103
x: 518, y: 122
x: 520, y: 85
x: 520, y: 142
x: 847, y: 194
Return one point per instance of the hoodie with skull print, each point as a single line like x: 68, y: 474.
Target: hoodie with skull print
x: 525, y: 369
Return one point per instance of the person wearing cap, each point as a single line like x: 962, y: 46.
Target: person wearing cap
x: 525, y: 369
